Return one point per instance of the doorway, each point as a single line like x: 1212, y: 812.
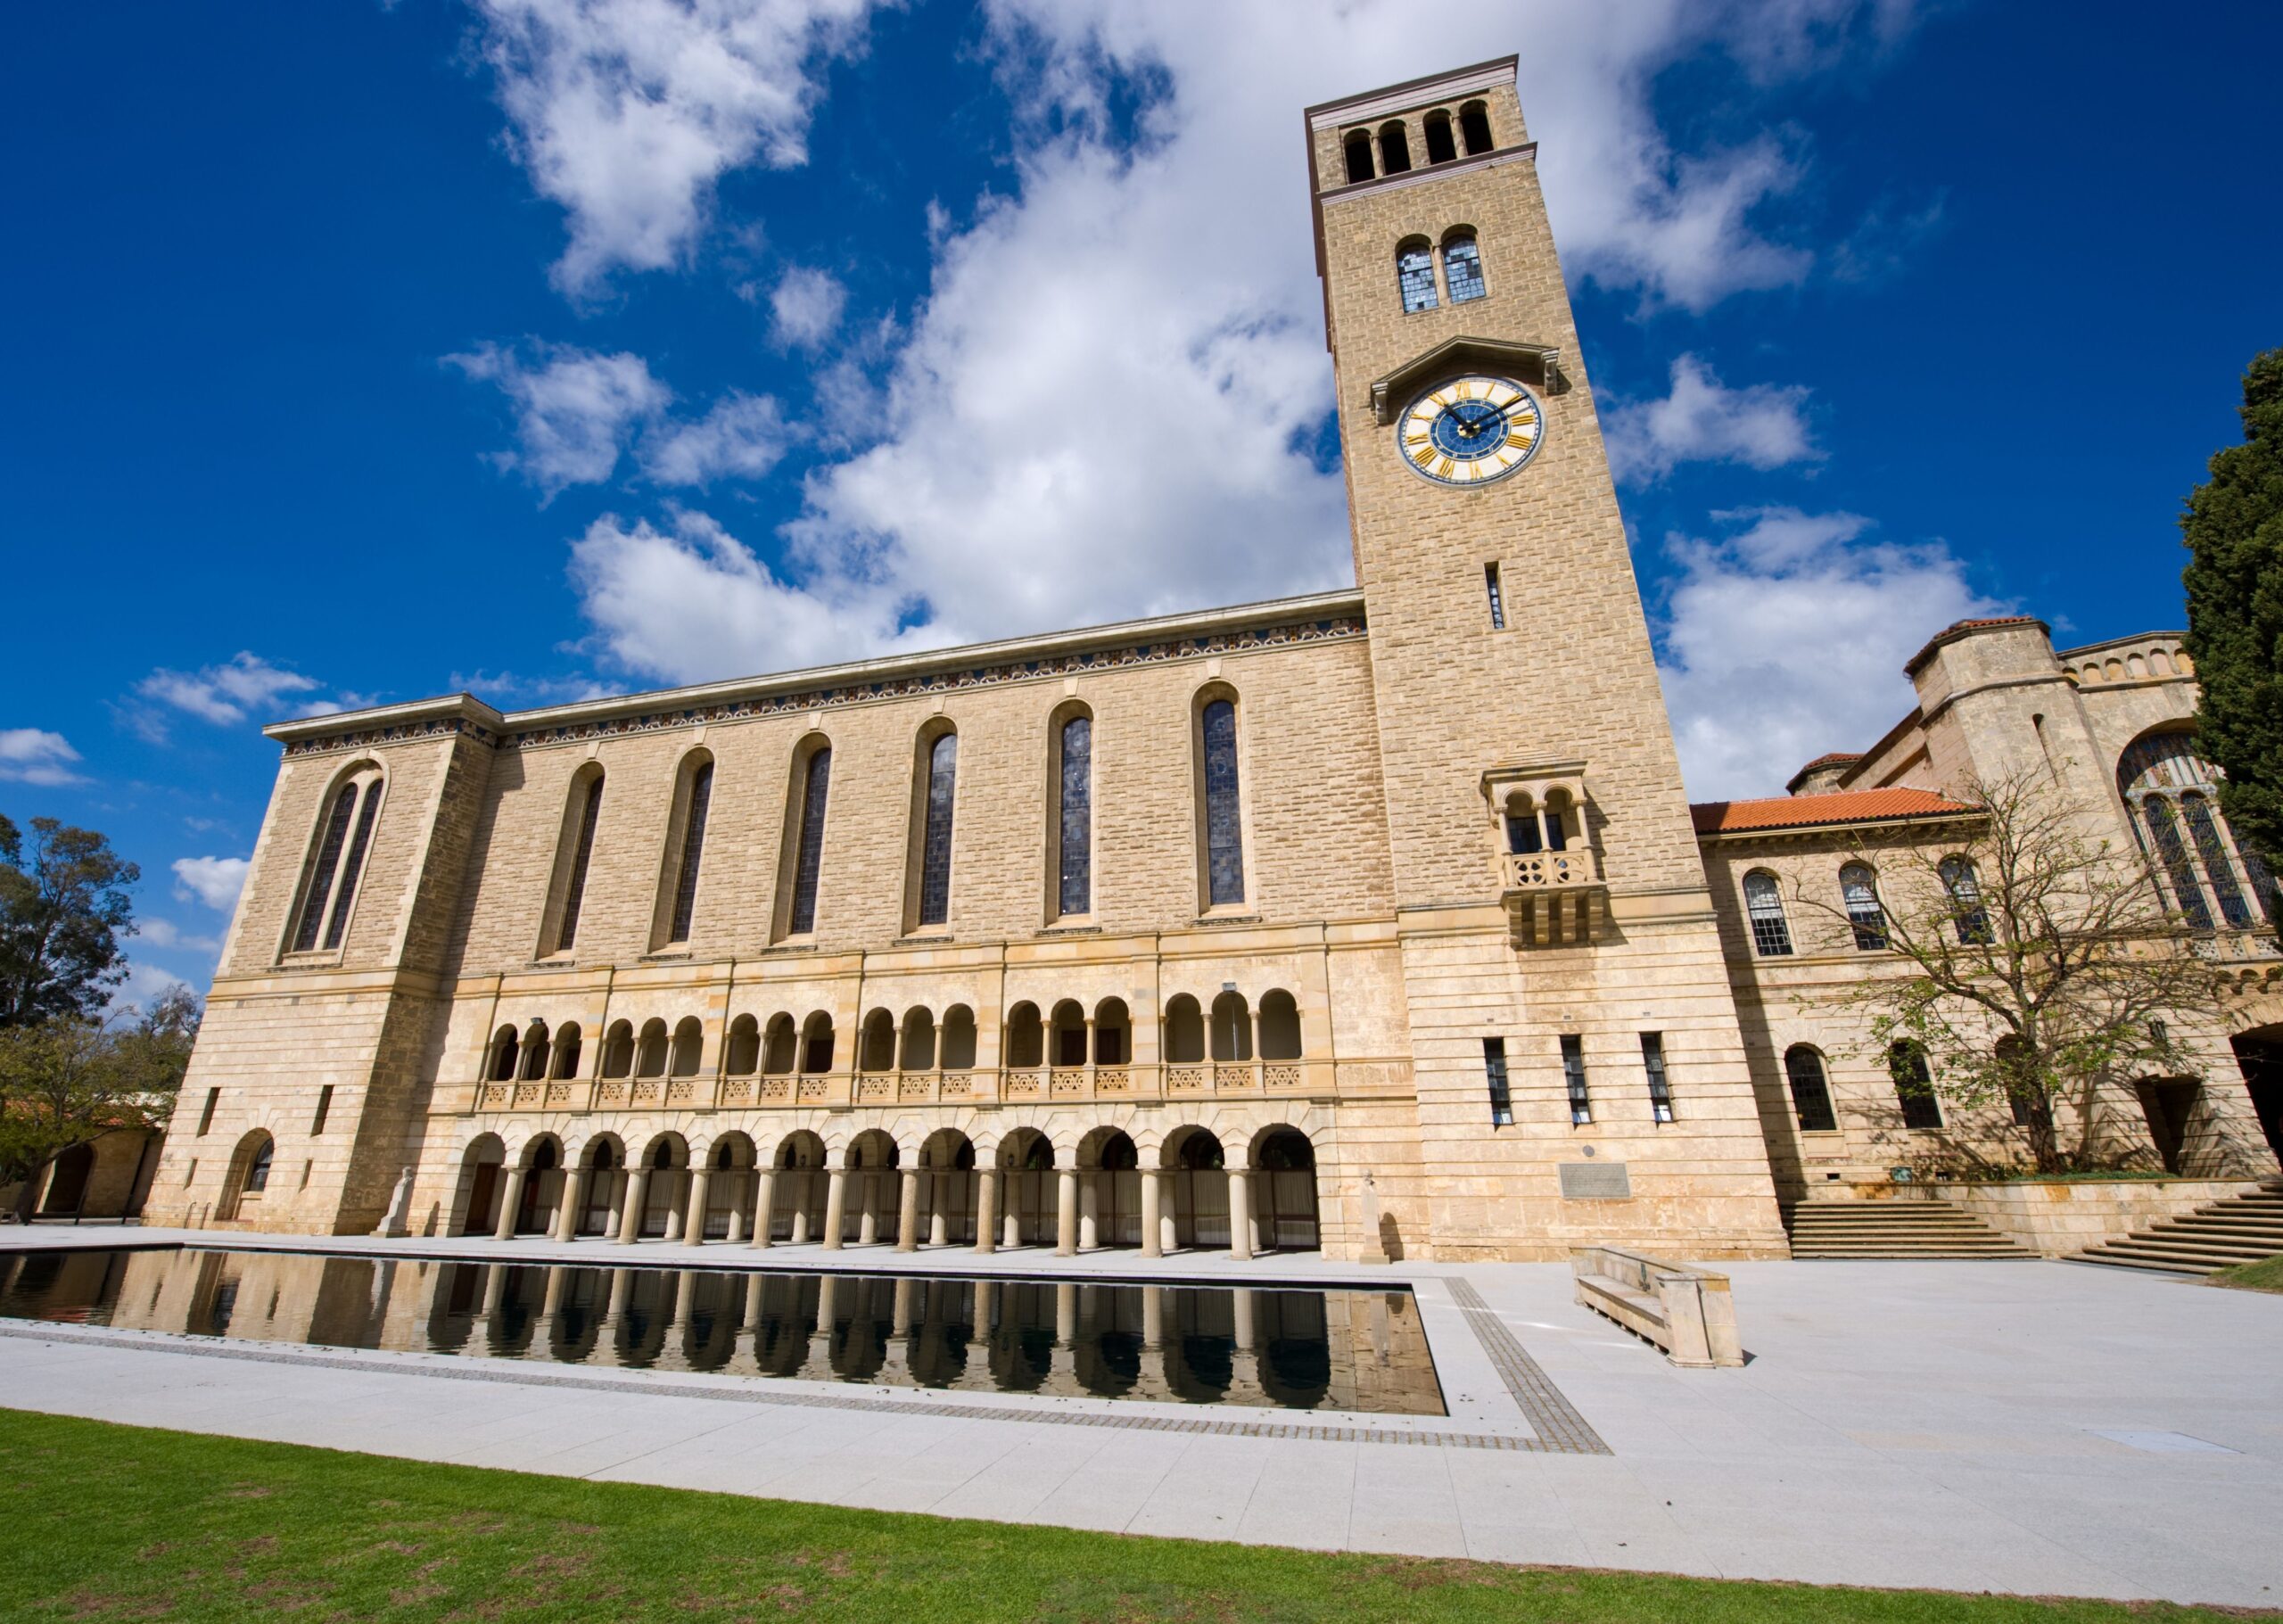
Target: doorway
x: 2168, y: 1106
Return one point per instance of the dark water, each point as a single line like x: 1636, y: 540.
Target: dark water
x: 1293, y: 1349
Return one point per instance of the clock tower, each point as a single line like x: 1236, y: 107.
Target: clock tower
x: 1562, y: 966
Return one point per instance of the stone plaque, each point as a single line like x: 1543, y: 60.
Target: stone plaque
x: 1595, y: 1182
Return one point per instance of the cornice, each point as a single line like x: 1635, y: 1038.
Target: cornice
x: 1412, y: 93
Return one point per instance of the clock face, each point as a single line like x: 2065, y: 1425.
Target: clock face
x: 1471, y: 431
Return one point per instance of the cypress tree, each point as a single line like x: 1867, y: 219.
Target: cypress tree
x: 2234, y: 531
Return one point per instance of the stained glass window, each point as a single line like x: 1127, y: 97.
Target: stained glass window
x: 936, y: 847
x: 1462, y: 269
x: 693, y: 851
x: 575, y: 892
x: 344, y: 889
x: 1771, y: 932
x: 2203, y: 830
x: 1810, y: 1092
x: 1414, y: 269
x: 320, y: 891
x: 1076, y: 835
x: 809, y: 856
x: 1225, y: 847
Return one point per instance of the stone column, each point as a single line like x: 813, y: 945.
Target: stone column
x: 1240, y: 1213
x: 764, y: 1206
x: 614, y: 1201
x: 907, y: 1212
x: 740, y: 1182
x: 1168, y: 1211
x: 986, y: 1208
x: 939, y: 1221
x: 805, y: 1198
x: 701, y: 1189
x: 638, y: 1196
x: 1152, y: 1204
x: 505, y: 1229
x: 574, y: 1202
x: 673, y: 1206
x: 867, y: 1209
x: 1244, y: 1367
x: 836, y: 1207
x: 553, y: 1305
x: 1011, y: 1234
x: 820, y: 1339
x: 495, y: 1289
x: 1090, y: 1202
x: 1066, y: 1212
x: 621, y: 1287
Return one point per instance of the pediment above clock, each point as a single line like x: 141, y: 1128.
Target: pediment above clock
x: 1540, y: 364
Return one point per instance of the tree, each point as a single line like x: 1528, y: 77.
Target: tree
x: 2035, y: 963
x: 69, y: 1081
x: 64, y: 908
x: 2234, y: 531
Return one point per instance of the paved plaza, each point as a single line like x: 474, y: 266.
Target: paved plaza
x: 2042, y: 1428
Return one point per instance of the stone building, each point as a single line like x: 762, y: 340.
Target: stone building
x: 1352, y: 920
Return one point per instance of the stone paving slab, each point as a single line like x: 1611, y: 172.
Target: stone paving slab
x: 1899, y: 1423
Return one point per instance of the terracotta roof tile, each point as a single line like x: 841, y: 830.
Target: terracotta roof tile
x: 1804, y: 811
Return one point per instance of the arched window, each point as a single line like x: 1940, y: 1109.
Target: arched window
x: 1560, y: 821
x: 2025, y: 1095
x: 1232, y: 1028
x: 1858, y: 888
x: 1414, y: 275
x: 1441, y: 148
x: 919, y: 1047
x: 942, y: 782
x: 568, y: 1041
x: 1968, y: 914
x: 1913, y: 1085
x: 958, y: 1038
x: 816, y: 1043
x: 618, y: 1050
x: 329, y: 891
x: 506, y: 1044
x: 744, y: 1056
x: 1069, y: 1027
x: 585, y: 811
x: 1474, y: 128
x: 534, y: 1065
x: 650, y: 1054
x: 2203, y: 832
x: 2172, y: 790
x: 781, y: 1052
x: 1026, y: 1038
x: 875, y: 1049
x: 1463, y: 268
x: 1771, y: 932
x: 808, y: 850
x: 1394, y: 148
x: 689, y: 1047
x: 258, y: 1170
x: 1113, y: 1032
x: 1358, y: 149
x: 1810, y: 1092
x: 1524, y: 836
x: 697, y: 798
x: 1225, y: 842
x: 1280, y: 1026
x: 1184, y: 1031
x: 1075, y: 815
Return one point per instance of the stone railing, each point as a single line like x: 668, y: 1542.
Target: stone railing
x: 1058, y: 1084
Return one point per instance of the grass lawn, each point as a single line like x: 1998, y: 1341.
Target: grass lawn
x: 2265, y: 1275
x: 105, y: 1522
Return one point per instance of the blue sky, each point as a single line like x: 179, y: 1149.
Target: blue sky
x: 551, y: 347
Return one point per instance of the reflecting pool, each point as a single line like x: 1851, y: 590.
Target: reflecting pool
x: 1286, y: 1348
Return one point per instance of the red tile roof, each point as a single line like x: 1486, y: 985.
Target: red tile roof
x: 1804, y: 811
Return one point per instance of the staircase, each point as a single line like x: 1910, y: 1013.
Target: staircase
x: 1898, y: 1229
x: 2242, y: 1229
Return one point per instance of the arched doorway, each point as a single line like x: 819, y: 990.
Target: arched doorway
x: 67, y: 1182
x: 477, y: 1197
x: 728, y: 1189
x: 1027, y: 1195
x: 1109, y: 1190
x: 603, y: 1198
x: 2259, y: 1055
x: 1284, y: 1190
x: 542, y: 1186
x: 1200, y: 1188
x: 870, y: 1199
x: 797, y: 1204
x: 665, y: 1197
x: 947, y: 1193
x: 248, y: 1178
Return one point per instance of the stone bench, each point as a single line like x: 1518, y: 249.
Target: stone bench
x: 1686, y: 1312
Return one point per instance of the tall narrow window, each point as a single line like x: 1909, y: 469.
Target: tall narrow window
x: 693, y: 851
x: 1660, y: 1092
x: 328, y: 859
x: 1394, y: 148
x: 1358, y: 148
x: 1463, y: 269
x: 1474, y: 128
x: 2164, y: 833
x: 1967, y: 913
x: 1415, y: 274
x: 1524, y: 834
x: 1573, y: 1073
x: 1075, y: 828
x: 1811, y: 1091
x: 1859, y: 888
x: 1771, y: 932
x: 1493, y: 1072
x: 936, y: 843
x: 1441, y: 148
x: 344, y: 888
x: 1224, y: 844
x: 206, y: 1115
x: 2203, y: 830
x: 1497, y: 601
x: 325, y: 1109
x: 809, y: 856
x: 1913, y: 1086
x: 582, y: 850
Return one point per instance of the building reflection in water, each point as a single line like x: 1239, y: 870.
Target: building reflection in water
x: 1293, y: 1349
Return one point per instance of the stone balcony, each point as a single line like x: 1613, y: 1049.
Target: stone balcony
x: 1012, y: 1085
x: 1553, y: 899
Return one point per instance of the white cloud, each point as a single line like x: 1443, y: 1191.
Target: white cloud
x: 574, y: 409
x: 627, y: 111
x: 743, y: 437
x: 34, y: 755
x: 1784, y: 637
x: 1762, y: 425
x: 806, y: 308
x: 243, y: 685
x: 165, y: 934
x: 145, y: 985
x: 214, y: 881
x: 1109, y: 402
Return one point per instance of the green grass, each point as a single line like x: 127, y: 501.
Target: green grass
x: 2265, y: 1275
x: 103, y: 1521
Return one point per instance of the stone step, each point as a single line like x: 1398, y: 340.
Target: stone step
x: 2203, y: 1257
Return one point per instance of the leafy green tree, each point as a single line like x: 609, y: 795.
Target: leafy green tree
x: 63, y: 910
x: 70, y: 1080
x: 2234, y: 529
